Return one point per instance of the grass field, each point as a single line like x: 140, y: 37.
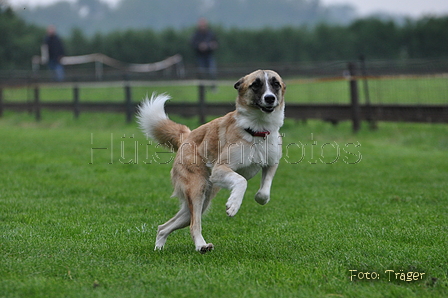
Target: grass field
x: 396, y: 90
x: 81, y: 222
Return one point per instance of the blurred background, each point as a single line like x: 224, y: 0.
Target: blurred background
x: 249, y: 31
x: 401, y: 47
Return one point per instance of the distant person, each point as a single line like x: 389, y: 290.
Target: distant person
x: 204, y: 43
x: 56, y: 51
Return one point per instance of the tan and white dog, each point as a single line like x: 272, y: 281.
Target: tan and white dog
x: 223, y: 153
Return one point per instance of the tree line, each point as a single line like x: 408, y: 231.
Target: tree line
x: 93, y: 16
x: 374, y: 38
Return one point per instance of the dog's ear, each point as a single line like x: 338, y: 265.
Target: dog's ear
x: 238, y: 84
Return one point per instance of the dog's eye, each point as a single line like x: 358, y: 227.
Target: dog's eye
x: 276, y: 85
x: 256, y: 84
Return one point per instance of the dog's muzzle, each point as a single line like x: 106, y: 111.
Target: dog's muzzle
x: 268, y: 104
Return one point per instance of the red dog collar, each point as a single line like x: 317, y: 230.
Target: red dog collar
x: 262, y: 134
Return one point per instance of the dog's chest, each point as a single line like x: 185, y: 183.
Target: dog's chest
x: 249, y: 157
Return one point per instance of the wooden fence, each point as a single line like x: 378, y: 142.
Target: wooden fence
x: 352, y: 111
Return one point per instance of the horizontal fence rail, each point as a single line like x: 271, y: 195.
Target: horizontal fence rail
x: 362, y: 96
x: 327, y: 112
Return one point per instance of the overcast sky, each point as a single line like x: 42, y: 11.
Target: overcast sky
x: 413, y: 8
x: 407, y: 7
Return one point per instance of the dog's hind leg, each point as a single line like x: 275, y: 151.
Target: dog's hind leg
x: 197, y: 207
x: 179, y: 221
x: 198, y: 197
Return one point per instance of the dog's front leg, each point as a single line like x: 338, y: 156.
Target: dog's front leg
x: 267, y: 175
x: 225, y: 177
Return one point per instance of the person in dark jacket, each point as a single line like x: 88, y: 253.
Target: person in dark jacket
x: 204, y: 43
x: 55, y: 53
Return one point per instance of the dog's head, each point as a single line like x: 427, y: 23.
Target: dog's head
x: 261, y: 89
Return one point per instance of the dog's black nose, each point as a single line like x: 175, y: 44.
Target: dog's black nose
x: 269, y: 99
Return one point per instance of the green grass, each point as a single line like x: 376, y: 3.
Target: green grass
x: 116, y: 93
x: 417, y: 90
x: 388, y: 90
x: 394, y: 90
x: 74, y: 229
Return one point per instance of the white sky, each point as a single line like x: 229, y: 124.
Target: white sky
x: 408, y: 7
x: 16, y: 3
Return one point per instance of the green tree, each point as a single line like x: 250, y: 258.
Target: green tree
x: 375, y: 38
x: 427, y: 37
x: 18, y: 41
x: 78, y: 43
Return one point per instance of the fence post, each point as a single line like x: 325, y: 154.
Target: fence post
x: 201, y: 104
x: 37, y: 103
x: 128, y: 103
x: 369, y: 112
x: 76, y: 109
x: 354, y: 98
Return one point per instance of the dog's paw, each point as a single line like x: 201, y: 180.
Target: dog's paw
x: 205, y: 248
x: 232, y: 208
x: 158, y: 247
x: 262, y: 198
x: 160, y: 241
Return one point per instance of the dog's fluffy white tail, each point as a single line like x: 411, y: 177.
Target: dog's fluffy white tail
x: 151, y: 112
x: 155, y: 124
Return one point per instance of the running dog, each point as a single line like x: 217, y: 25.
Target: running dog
x: 223, y: 153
